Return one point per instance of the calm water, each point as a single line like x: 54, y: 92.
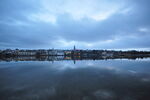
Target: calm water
x: 85, y: 80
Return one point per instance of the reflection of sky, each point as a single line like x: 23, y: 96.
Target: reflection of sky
x: 87, y: 80
x: 114, y: 65
x: 115, y: 24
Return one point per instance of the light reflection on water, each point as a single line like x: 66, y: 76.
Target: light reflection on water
x: 85, y: 80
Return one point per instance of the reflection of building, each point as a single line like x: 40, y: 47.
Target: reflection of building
x: 67, y: 58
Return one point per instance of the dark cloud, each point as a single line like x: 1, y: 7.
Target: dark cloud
x: 18, y: 30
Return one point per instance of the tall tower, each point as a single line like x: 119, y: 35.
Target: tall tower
x: 74, y: 48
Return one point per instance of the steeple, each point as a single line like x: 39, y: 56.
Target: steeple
x: 74, y: 48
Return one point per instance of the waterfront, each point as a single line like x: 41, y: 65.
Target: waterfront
x: 74, y: 50
x: 112, y: 79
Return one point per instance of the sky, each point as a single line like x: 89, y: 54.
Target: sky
x: 87, y: 24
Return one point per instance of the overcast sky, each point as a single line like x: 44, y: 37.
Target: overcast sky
x: 88, y: 24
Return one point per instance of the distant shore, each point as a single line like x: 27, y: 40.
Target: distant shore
x: 55, y: 54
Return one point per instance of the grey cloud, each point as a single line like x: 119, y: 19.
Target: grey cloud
x: 33, y: 34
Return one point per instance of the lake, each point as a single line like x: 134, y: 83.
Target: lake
x: 117, y: 79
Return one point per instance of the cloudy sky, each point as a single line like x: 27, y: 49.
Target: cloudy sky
x: 88, y: 24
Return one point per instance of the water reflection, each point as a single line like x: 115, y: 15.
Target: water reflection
x: 67, y: 58
x: 85, y: 80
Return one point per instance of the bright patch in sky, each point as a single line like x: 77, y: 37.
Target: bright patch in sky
x: 44, y: 17
x: 143, y: 29
x: 78, y: 9
x: 88, y: 24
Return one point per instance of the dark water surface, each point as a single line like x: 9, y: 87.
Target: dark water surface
x: 85, y: 80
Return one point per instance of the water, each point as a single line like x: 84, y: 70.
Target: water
x: 84, y: 80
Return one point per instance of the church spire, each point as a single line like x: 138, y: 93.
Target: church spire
x: 74, y: 48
